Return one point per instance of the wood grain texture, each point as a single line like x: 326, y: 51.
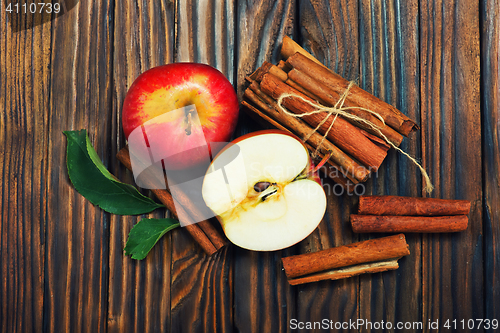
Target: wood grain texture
x: 201, y: 295
x: 452, y: 264
x: 490, y: 66
x: 62, y: 266
x: 389, y: 69
x: 260, y: 27
x: 330, y: 31
x: 201, y: 292
x: 262, y: 297
x: 75, y: 288
x: 25, y: 58
x: 139, y: 291
x: 205, y: 33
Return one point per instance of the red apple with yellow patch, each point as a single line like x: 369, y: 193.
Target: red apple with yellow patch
x: 177, y: 110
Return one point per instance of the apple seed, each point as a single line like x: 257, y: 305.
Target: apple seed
x: 261, y: 186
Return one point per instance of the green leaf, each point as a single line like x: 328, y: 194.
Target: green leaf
x: 145, y: 234
x: 94, y: 182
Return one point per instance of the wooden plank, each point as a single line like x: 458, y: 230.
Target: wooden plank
x: 204, y: 33
x: 201, y: 298
x: 336, y: 300
x: 260, y: 28
x: 490, y: 25
x: 330, y: 33
x: 451, y: 150
x: 139, y: 291
x: 389, y: 44
x: 24, y: 104
x: 76, y: 245
x: 60, y: 256
x: 263, y: 299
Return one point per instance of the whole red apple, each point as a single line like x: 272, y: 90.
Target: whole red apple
x: 178, y: 110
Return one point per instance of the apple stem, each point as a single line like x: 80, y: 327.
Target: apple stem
x: 188, y: 127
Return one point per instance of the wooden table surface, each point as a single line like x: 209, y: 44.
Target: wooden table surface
x: 62, y: 266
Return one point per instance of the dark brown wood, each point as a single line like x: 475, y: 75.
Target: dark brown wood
x: 139, y: 293
x: 24, y: 200
x: 399, y: 205
x: 259, y: 28
x: 75, y: 232
x: 204, y: 33
x: 490, y: 23
x: 451, y: 151
x: 62, y: 266
x: 389, y: 58
x: 368, y: 251
x: 395, y: 224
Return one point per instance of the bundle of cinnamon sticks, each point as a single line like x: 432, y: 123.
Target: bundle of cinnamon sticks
x: 355, y: 146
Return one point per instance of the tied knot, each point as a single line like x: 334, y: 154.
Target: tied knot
x: 340, y: 110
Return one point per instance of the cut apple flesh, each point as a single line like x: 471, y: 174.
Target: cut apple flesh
x: 261, y: 192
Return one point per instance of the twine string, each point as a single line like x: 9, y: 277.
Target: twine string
x: 340, y: 109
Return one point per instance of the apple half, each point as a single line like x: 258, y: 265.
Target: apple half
x: 263, y: 191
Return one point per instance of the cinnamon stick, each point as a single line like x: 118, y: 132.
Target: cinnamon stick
x: 343, y: 273
x: 289, y: 47
x: 255, y: 74
x: 392, y: 116
x: 203, y: 232
x: 300, y: 88
x: 261, y: 71
x: 281, y: 75
x: 343, y: 134
x: 275, y: 70
x: 424, y: 224
x: 194, y: 229
x: 283, y: 66
x: 358, y: 257
x: 397, y: 205
x: 302, y: 130
x: 329, y: 97
x: 376, y: 140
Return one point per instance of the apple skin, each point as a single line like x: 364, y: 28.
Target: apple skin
x: 169, y: 87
